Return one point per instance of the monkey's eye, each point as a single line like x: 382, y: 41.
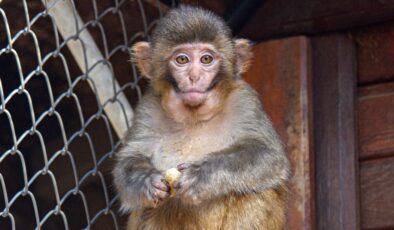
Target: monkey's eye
x: 182, y: 59
x: 206, y: 59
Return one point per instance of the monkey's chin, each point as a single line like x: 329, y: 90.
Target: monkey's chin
x: 193, y: 99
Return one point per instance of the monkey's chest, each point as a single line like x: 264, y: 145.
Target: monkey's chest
x: 180, y: 148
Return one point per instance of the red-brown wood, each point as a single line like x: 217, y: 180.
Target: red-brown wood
x: 279, y: 18
x: 336, y: 161
x: 376, y: 121
x: 375, y: 54
x: 281, y: 74
x: 377, y: 194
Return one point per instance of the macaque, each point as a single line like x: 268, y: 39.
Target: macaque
x: 202, y: 119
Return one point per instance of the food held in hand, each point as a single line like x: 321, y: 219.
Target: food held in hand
x: 172, y: 175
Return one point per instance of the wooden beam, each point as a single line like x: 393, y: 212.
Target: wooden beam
x: 334, y: 77
x: 282, y: 18
x: 281, y: 74
x: 375, y: 56
x: 87, y: 54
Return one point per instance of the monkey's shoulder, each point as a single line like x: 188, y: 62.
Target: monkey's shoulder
x: 244, y: 108
x: 242, y: 97
x: 149, y: 113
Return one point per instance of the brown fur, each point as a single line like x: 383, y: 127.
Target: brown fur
x: 263, y: 211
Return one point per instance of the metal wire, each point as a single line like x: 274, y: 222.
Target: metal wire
x: 56, y: 141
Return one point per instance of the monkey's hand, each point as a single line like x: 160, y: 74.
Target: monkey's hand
x: 139, y: 183
x: 187, y: 188
x: 156, y: 191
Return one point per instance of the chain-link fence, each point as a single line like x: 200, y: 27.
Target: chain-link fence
x: 67, y: 89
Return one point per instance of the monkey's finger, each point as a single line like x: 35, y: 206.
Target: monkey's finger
x: 164, y: 181
x: 159, y: 181
x: 156, y: 203
x: 177, y: 186
x: 161, y: 194
x: 183, y: 166
x: 161, y: 186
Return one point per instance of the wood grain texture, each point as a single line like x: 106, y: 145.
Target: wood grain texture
x: 377, y: 194
x: 281, y: 74
x: 376, y: 121
x: 280, y: 18
x: 334, y: 78
x: 375, y: 54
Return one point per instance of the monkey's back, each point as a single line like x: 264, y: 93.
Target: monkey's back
x: 263, y: 210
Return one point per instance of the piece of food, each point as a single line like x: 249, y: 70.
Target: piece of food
x: 172, y: 176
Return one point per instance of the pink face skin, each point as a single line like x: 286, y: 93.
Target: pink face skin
x: 194, y: 66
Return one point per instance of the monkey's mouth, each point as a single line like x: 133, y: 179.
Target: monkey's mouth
x: 194, y: 97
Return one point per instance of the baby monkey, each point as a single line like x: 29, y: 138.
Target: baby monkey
x: 201, y: 118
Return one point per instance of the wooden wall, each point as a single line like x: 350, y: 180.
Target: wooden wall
x: 331, y: 98
x: 375, y: 110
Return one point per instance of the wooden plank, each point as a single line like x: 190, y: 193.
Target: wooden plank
x: 376, y: 121
x: 375, y: 54
x: 334, y: 132
x: 377, y: 194
x: 87, y: 55
x: 283, y: 18
x: 280, y: 73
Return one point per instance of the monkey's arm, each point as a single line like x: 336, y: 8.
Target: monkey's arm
x: 138, y: 182
x: 247, y: 166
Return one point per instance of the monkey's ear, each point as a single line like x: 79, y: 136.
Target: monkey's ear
x: 141, y: 56
x: 243, y: 49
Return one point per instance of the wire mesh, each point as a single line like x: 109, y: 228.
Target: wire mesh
x: 56, y: 141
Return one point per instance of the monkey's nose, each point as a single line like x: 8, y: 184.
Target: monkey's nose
x: 194, y: 74
x: 194, y: 77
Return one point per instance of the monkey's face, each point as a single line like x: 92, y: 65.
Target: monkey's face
x: 193, y: 77
x: 194, y: 72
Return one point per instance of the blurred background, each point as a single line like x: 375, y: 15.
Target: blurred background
x: 324, y: 70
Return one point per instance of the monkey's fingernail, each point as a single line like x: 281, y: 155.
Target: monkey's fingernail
x: 182, y: 166
x: 177, y: 186
x: 165, y: 182
x: 155, y: 203
x: 159, y: 186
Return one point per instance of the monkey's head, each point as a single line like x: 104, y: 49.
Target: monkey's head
x: 192, y: 60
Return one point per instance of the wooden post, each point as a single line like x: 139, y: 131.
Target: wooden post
x: 281, y: 73
x: 86, y: 54
x: 334, y: 83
